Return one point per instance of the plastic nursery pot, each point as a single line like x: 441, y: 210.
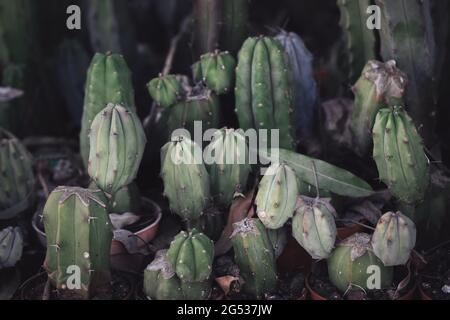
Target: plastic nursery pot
x: 123, y: 287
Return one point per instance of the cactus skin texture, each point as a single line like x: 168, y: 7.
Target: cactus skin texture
x: 348, y: 264
x: 78, y: 233
x: 17, y: 178
x: 359, y: 40
x: 191, y: 254
x: 313, y: 226
x: 380, y: 85
x: 278, y: 239
x: 126, y: 199
x: 277, y: 196
x: 230, y: 169
x: 11, y: 112
x: 161, y: 282
x: 399, y: 154
x: 165, y: 90
x: 218, y: 71
x: 407, y: 36
x: 108, y: 81
x: 117, y: 143
x: 254, y: 255
x: 394, y: 238
x: 186, y: 181
x: 263, y: 89
x: 11, y: 245
x: 305, y: 87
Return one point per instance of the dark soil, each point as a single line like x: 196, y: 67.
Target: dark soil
x: 436, y: 275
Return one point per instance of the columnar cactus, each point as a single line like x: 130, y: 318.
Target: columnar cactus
x: 305, y: 87
x: 11, y: 246
x: 229, y: 167
x: 277, y: 196
x: 186, y: 181
x: 212, y: 223
x: 217, y: 71
x: 380, y: 85
x: 313, y: 226
x: 254, y: 254
x: 278, y: 239
x: 394, y: 238
x: 207, y: 22
x: 399, y: 154
x: 17, y: 178
x: 161, y: 282
x: 264, y: 98
x: 165, y: 90
x: 353, y: 262
x: 108, y: 81
x: 234, y: 28
x: 191, y: 254
x: 79, y: 234
x: 117, y: 143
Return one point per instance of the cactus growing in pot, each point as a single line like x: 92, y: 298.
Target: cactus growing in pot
x: 11, y: 246
x: 217, y: 70
x: 17, y: 178
x: 79, y: 233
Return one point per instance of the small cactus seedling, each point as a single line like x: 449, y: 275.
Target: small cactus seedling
x: 277, y: 196
x: 394, y: 238
x: 191, y: 254
x: 313, y: 226
x: 117, y: 143
x: 254, y: 255
x: 79, y: 234
x: 350, y: 264
x: 11, y: 246
x: 217, y: 71
x: 165, y: 90
x: 399, y: 154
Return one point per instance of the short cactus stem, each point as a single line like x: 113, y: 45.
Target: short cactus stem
x: 165, y: 90
x: 218, y: 71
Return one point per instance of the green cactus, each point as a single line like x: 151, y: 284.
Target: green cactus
x: 108, y: 81
x: 229, y: 168
x: 117, y: 143
x: 234, y: 28
x: 126, y: 199
x: 212, y: 223
x: 277, y: 196
x: 186, y: 181
x: 394, y: 238
x: 348, y: 265
x: 207, y: 22
x: 11, y: 112
x: 263, y: 89
x: 399, y: 154
x: 161, y: 282
x: 359, y: 40
x: 191, y: 254
x: 11, y: 246
x: 380, y: 85
x: 217, y: 71
x: 17, y: 178
x: 254, y: 254
x: 79, y: 233
x: 313, y: 226
x: 278, y: 239
x: 165, y: 90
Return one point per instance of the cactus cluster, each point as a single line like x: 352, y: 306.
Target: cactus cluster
x: 11, y: 246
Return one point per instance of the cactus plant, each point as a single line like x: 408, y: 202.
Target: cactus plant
x: 17, y: 178
x: 277, y: 196
x: 305, y: 88
x: 278, y: 239
x: 229, y: 168
x: 212, y: 223
x: 186, y: 181
x: 161, y: 282
x: 399, y: 154
x: 207, y: 21
x: 11, y: 245
x: 394, y: 238
x: 380, y: 85
x: 234, y: 28
x: 79, y: 233
x: 313, y: 226
x: 126, y: 199
x: 217, y: 71
x: 353, y: 262
x: 165, y: 90
x: 108, y: 81
x: 263, y: 91
x: 191, y: 255
x: 255, y: 257
x: 117, y: 143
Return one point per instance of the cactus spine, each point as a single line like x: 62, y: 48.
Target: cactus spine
x: 349, y: 262
x: 165, y: 90
x: 254, y: 254
x: 218, y: 71
x: 11, y: 245
x: 399, y: 154
x: 78, y: 233
x: 117, y: 142
x: 186, y: 181
x: 277, y: 196
x: 313, y: 226
x: 17, y: 178
x: 263, y: 89
x: 229, y: 168
x: 394, y: 238
x: 380, y: 85
x: 108, y: 81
